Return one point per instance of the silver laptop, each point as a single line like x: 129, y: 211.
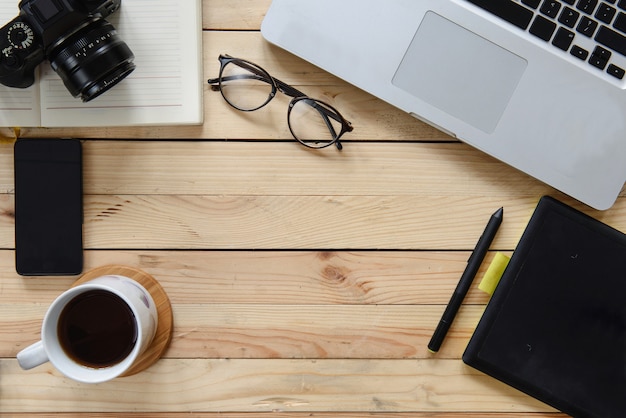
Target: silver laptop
x: 538, y: 84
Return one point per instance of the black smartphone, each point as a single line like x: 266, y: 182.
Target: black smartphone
x: 48, y: 207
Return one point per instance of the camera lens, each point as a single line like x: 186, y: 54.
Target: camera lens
x: 91, y: 59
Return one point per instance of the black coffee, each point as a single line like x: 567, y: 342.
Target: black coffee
x: 97, y: 329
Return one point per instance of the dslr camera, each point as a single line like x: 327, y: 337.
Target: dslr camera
x: 82, y: 47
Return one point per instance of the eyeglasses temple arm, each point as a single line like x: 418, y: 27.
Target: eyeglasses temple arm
x: 287, y: 89
x: 215, y: 82
x: 326, y: 114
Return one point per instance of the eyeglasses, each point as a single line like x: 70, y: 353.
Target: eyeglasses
x: 247, y: 87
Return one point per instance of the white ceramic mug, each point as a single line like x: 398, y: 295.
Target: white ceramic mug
x: 142, y: 324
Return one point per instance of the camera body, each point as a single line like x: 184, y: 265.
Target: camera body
x: 82, y: 47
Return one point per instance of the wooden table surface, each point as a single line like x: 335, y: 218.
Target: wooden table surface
x: 303, y: 283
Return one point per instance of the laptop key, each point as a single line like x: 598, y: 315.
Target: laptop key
x: 563, y: 39
x: 611, y: 39
x: 620, y: 22
x: 542, y: 28
x: 531, y: 3
x: 597, y: 62
x: 616, y: 71
x: 569, y: 17
x: 605, y: 13
x: 579, y: 52
x: 587, y: 6
x: 550, y: 8
x: 600, y: 52
x: 508, y: 10
x: 600, y: 57
x: 551, y: 21
x: 587, y: 26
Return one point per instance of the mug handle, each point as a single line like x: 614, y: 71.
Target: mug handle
x: 32, y: 356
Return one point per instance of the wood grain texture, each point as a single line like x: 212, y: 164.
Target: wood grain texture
x: 242, y: 15
x: 265, y: 196
x: 303, y: 283
x: 266, y: 305
x: 282, y: 414
x: 264, y: 386
x: 271, y: 277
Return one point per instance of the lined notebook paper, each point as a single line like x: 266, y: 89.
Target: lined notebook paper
x: 164, y: 89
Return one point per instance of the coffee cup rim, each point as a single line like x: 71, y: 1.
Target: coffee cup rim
x: 65, y: 364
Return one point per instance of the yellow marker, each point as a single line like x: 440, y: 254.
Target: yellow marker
x: 493, y: 274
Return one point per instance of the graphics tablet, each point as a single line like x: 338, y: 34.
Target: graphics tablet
x: 555, y: 327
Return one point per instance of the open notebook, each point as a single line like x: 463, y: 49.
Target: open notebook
x: 165, y: 88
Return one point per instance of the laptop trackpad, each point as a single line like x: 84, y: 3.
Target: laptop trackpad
x: 459, y: 72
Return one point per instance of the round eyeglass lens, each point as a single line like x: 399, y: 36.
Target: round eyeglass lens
x: 313, y: 123
x: 245, y: 86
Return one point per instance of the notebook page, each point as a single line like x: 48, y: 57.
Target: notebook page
x: 18, y: 107
x: 166, y: 86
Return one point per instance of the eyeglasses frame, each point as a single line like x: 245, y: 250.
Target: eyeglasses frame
x: 325, y: 110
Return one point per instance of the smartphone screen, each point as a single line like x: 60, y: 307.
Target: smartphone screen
x: 48, y: 207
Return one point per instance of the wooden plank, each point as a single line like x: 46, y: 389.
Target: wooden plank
x: 300, y: 222
x: 243, y: 15
x: 264, y: 305
x: 282, y: 222
x: 176, y: 385
x: 196, y: 325
x: 270, y: 277
x: 244, y: 168
x: 249, y: 331
x: 295, y: 201
x: 280, y: 414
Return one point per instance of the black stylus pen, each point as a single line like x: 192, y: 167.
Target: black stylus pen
x: 473, y: 263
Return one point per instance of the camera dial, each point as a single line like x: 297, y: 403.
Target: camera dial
x: 20, y: 35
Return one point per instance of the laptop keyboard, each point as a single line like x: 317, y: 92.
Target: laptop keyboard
x: 590, y: 30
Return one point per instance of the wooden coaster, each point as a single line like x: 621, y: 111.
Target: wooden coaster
x: 165, y: 317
